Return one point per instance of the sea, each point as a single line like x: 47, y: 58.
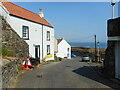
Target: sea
x: 88, y: 44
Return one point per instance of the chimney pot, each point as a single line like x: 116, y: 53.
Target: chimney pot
x: 63, y: 38
x: 41, y: 14
x: 41, y: 10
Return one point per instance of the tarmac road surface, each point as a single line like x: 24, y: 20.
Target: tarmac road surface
x: 65, y: 74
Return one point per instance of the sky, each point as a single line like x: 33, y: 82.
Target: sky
x: 75, y: 21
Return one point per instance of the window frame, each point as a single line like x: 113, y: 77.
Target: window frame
x: 26, y: 33
x: 68, y: 49
x: 48, y: 35
x: 48, y: 49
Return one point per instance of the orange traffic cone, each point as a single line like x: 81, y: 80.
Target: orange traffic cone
x: 27, y: 68
x: 38, y: 65
x: 22, y: 65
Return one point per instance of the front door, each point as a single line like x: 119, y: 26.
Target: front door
x: 117, y: 60
x: 37, y: 51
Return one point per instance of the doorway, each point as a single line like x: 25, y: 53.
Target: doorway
x: 117, y: 60
x: 37, y: 51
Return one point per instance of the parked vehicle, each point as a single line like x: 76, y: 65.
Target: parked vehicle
x: 85, y: 58
x: 73, y: 55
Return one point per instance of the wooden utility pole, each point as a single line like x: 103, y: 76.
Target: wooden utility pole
x: 95, y: 49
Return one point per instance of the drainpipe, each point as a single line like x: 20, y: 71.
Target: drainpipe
x: 42, y: 41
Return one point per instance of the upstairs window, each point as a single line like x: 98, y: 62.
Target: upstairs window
x: 25, y: 32
x: 48, y: 49
x: 48, y: 35
x: 68, y: 49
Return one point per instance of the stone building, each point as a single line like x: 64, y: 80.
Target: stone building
x: 112, y: 58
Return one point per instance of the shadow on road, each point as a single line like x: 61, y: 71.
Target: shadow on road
x: 88, y: 72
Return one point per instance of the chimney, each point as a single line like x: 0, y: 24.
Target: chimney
x: 63, y: 38
x: 41, y: 14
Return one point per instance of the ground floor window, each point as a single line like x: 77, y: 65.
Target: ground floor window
x: 48, y: 49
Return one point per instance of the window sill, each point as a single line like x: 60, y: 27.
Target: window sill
x: 26, y: 38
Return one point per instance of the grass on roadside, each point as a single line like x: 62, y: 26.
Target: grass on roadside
x: 5, y: 52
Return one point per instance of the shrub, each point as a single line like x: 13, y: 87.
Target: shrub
x: 6, y: 52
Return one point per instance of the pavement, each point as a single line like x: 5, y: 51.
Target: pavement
x: 65, y: 74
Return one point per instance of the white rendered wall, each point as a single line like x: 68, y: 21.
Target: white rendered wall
x: 55, y: 45
x: 63, y: 49
x: 51, y: 42
x: 35, y: 36
x: 35, y: 33
x: 4, y: 12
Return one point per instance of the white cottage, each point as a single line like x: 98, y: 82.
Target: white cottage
x: 64, y: 49
x: 33, y: 28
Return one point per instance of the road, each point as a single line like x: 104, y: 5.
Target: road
x: 64, y: 74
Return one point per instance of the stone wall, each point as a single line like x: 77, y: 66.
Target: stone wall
x: 9, y: 72
x: 113, y: 27
x: 110, y: 60
x: 12, y: 41
x: 0, y: 53
x: 20, y: 50
x: 113, y: 30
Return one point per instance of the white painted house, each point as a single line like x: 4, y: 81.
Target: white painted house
x: 64, y: 49
x: 33, y: 28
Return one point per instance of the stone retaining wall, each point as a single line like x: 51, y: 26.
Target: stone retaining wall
x: 18, y: 47
x: 0, y: 53
x: 12, y: 41
x: 9, y: 72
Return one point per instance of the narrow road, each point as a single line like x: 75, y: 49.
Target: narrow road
x: 64, y: 74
